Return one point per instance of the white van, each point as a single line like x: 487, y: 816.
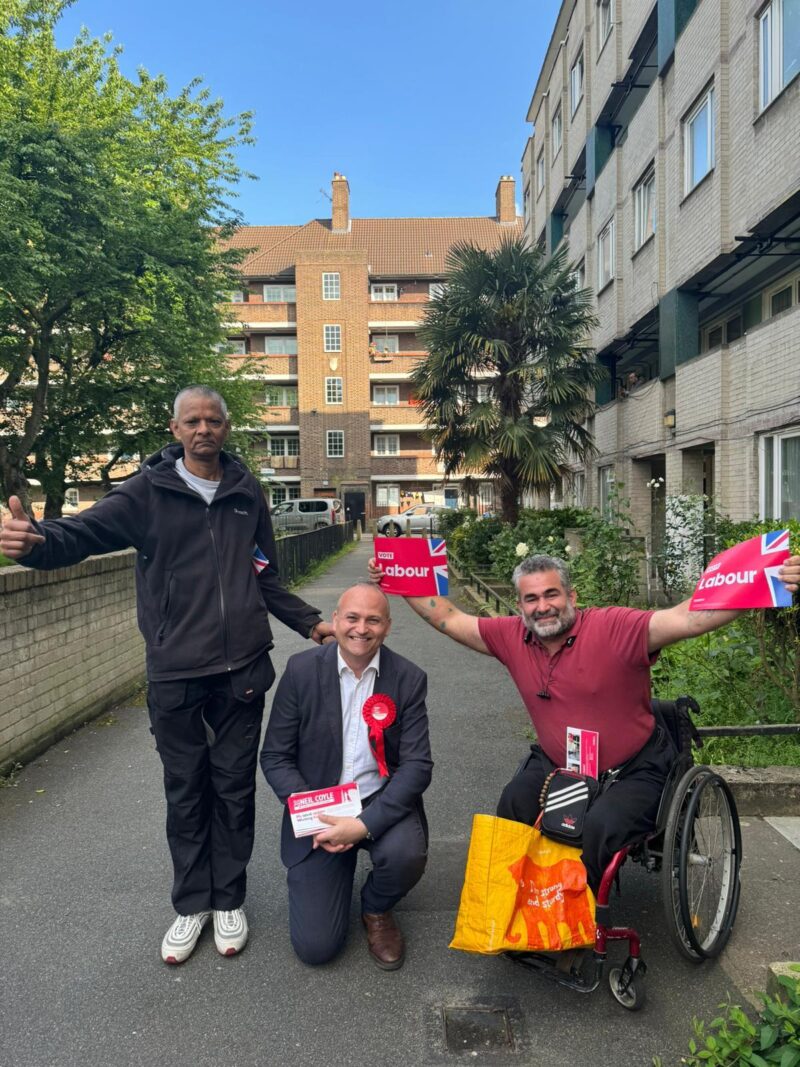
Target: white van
x: 311, y: 514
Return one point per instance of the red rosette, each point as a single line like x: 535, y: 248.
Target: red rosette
x: 379, y: 712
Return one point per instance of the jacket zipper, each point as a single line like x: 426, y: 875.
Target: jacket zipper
x: 221, y: 593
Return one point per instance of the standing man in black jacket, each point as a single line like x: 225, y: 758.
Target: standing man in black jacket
x: 205, y: 582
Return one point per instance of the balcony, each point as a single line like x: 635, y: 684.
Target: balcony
x: 257, y: 312
x: 282, y: 463
x: 279, y: 416
x: 420, y: 462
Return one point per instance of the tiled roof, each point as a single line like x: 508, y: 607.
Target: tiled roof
x: 394, y: 247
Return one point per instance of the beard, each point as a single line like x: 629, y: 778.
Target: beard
x: 552, y: 623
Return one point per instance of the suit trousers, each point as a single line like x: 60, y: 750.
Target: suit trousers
x: 621, y: 814
x: 321, y: 887
x: 207, y: 739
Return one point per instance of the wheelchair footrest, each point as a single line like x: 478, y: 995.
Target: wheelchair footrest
x: 577, y: 969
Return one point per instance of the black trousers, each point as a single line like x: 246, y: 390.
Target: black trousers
x: 207, y: 738
x: 625, y: 811
x: 321, y: 886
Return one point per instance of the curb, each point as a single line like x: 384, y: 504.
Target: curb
x: 763, y: 790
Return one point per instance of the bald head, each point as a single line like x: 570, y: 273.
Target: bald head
x: 361, y: 623
x: 365, y: 585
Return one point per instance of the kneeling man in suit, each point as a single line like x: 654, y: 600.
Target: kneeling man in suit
x: 318, y: 736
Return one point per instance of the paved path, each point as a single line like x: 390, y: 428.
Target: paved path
x: 84, y: 901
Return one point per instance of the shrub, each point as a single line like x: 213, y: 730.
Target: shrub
x: 470, y: 541
x: 607, y: 569
x: 449, y: 520
x: 541, y: 532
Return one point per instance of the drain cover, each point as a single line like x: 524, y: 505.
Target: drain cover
x: 477, y: 1029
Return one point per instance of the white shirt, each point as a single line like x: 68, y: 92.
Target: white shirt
x: 358, y: 762
x: 203, y: 486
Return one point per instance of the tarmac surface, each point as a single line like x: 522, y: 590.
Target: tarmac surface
x: 84, y: 903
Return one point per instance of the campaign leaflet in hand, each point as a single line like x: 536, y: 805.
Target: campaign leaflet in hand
x: 304, y: 808
x: 412, y: 566
x: 583, y: 751
x: 746, y: 576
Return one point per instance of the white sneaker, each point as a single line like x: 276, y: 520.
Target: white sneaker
x: 230, y: 931
x: 180, y: 940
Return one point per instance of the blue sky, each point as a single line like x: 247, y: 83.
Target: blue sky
x: 422, y: 104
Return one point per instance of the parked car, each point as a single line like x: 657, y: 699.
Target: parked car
x: 311, y: 514
x: 423, y: 519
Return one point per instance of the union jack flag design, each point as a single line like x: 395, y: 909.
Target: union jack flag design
x: 413, y: 566
x: 746, y: 576
x: 258, y: 559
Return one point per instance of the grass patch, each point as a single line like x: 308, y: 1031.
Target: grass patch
x: 321, y: 566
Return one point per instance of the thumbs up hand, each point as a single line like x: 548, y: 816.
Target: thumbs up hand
x: 18, y: 534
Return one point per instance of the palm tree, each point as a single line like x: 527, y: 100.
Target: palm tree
x: 505, y: 389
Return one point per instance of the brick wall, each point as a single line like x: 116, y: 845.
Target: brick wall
x: 69, y: 649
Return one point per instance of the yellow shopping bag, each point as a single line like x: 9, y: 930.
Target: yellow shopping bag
x: 522, y: 892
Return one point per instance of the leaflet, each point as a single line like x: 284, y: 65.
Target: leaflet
x: 305, y: 808
x: 583, y: 751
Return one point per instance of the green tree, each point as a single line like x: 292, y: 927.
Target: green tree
x: 506, y: 385
x: 114, y: 196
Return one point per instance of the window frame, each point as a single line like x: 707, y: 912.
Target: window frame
x: 608, y: 231
x: 386, y: 439
x: 287, y: 445
x: 390, y: 339
x: 706, y: 99
x: 556, y: 143
x: 281, y: 339
x: 240, y: 348
x: 391, y: 491
x: 770, y: 456
x: 772, y: 78
x: 331, y: 289
x: 334, y: 394
x: 605, y: 23
x: 385, y: 403
x: 385, y: 288
x: 575, y: 101
x: 540, y: 173
x: 641, y: 232
x: 283, y: 289
x: 330, y: 436
x: 436, y: 289
x: 288, y: 391
x: 332, y: 337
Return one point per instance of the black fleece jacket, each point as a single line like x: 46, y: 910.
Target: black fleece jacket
x: 202, y: 605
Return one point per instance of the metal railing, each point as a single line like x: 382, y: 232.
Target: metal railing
x: 490, y: 596
x: 298, y: 553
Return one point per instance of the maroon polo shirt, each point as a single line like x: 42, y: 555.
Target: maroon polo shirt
x: 598, y: 680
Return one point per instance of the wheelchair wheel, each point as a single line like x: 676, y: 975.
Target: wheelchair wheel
x: 628, y: 989
x: 700, y: 870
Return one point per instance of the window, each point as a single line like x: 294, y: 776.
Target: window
x: 781, y: 300
x: 280, y: 294
x: 387, y: 496
x: 483, y: 393
x: 72, y: 498
x: 383, y: 292
x: 279, y: 493
x: 334, y: 444
x: 734, y: 329
x: 281, y: 396
x: 579, y: 274
x: 644, y: 208
x: 386, y: 394
x: 576, y: 83
x: 387, y: 444
x: 578, y: 489
x: 723, y: 331
x: 605, y: 255
x: 236, y: 347
x: 284, y: 446
x: 333, y: 338
x: 237, y: 296
x: 779, y: 48
x: 605, y: 21
x: 330, y: 287
x: 526, y: 201
x: 540, y: 172
x: 556, y: 126
x: 333, y: 391
x: 280, y: 346
x: 605, y: 487
x: 715, y: 337
x: 390, y: 342
x: 435, y: 289
x: 698, y: 142
x: 779, y: 469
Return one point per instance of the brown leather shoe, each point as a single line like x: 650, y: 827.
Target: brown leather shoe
x: 386, y: 944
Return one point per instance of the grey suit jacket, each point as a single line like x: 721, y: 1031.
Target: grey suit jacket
x: 303, y: 746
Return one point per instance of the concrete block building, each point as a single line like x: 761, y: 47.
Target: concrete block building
x: 331, y: 311
x: 666, y: 151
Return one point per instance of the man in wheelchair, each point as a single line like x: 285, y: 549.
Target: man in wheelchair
x: 587, y: 669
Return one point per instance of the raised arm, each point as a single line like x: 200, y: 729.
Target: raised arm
x: 671, y: 625
x: 442, y: 615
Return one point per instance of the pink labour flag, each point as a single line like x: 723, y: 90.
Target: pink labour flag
x: 746, y: 576
x: 412, y: 566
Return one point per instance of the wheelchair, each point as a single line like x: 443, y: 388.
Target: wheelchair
x: 696, y: 848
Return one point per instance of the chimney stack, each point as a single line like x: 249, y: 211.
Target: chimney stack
x: 340, y: 215
x: 504, y: 199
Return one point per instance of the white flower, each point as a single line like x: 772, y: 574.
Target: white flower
x: 567, y: 548
x: 551, y: 539
x: 521, y: 549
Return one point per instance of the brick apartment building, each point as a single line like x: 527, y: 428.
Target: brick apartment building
x: 334, y: 306
x: 666, y: 151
